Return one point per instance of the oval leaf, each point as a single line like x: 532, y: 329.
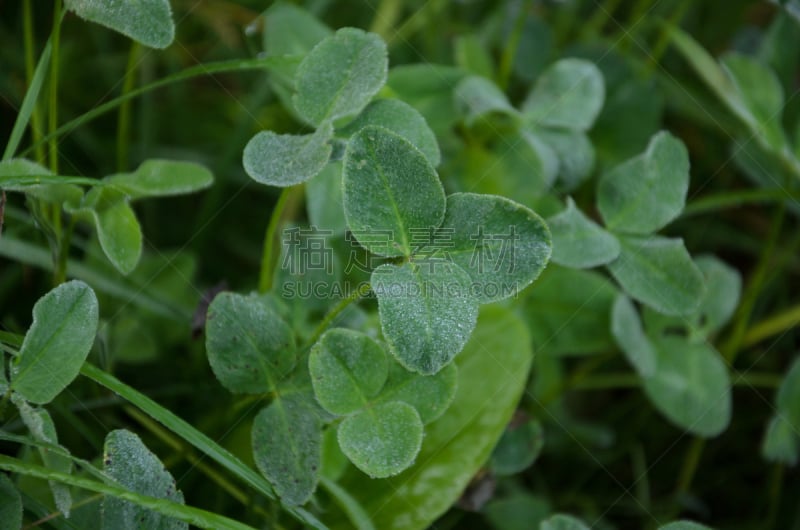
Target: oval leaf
x: 477, y: 98
x: 562, y: 522
x: 250, y: 348
x: 287, y: 446
x: 382, y: 440
x: 660, y: 273
x: 128, y: 461
x: 427, y: 312
x: 627, y: 330
x: 518, y: 448
x: 340, y: 75
x: 429, y: 394
x: 117, y: 227
x: 287, y: 159
x: 502, y: 245
x: 57, y: 343
x: 391, y: 192
x: 146, y: 21
x: 162, y: 178
x: 648, y: 191
x: 347, y: 368
x: 578, y: 241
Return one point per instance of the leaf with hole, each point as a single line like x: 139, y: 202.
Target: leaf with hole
x: 578, y: 241
x: 347, y: 369
x: 145, y: 21
x: 57, y: 343
x: 382, y: 440
x: 502, y: 245
x: 340, y: 75
x: 287, y: 159
x: 390, y: 191
x: 250, y: 348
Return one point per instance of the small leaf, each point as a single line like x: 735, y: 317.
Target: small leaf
x: 781, y: 442
x: 427, y: 312
x: 287, y: 439
x: 502, y: 245
x: 429, y: 394
x: 627, y: 330
x: 518, y: 448
x: 10, y: 504
x: 563, y: 522
x: 382, y: 440
x: 57, y: 343
x: 340, y: 75
x: 690, y: 386
x: 659, y: 272
x: 575, y: 155
x: 429, y: 89
x: 250, y: 348
x: 684, y: 525
x: 477, y: 98
x: 145, y: 21
x: 287, y: 159
x: 568, y: 94
x: 578, y: 241
x: 128, y: 461
x: 401, y: 119
x: 390, y: 190
x: 648, y: 191
x: 347, y: 369
x: 162, y: 178
x: 291, y: 30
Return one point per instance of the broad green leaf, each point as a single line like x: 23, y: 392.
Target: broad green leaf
x: 569, y: 94
x: 579, y: 242
x: 518, y: 448
x: 562, y: 522
x: 690, y: 386
x: 58, y: 341
x: 390, y: 191
x: 145, y: 21
x: 250, y: 348
x: 324, y: 200
x: 575, y: 155
x: 429, y: 89
x: 429, y: 394
x: 382, y: 440
x: 291, y: 30
x: 648, y: 191
x: 684, y: 525
x: 569, y: 311
x: 287, y: 439
x: 401, y: 119
x: 502, y: 245
x: 287, y: 159
x: 518, y: 511
x: 427, y: 312
x: 348, y: 369
x: 477, y: 98
x: 659, y: 272
x: 340, y: 75
x: 10, y: 505
x: 162, y: 178
x: 496, y: 360
x: 781, y: 442
x: 128, y: 461
x: 627, y: 330
x: 19, y: 174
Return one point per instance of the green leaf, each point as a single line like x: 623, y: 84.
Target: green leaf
x: 429, y: 89
x: 63, y: 331
x: 648, y: 191
x: 427, y: 312
x: 502, y: 245
x: 518, y: 511
x: 684, y: 525
x: 569, y: 94
x: 287, y: 440
x: 287, y: 159
x: 562, y: 522
x: 788, y: 400
x: 291, y: 30
x: 578, y: 241
x: 496, y: 360
x: 360, y: 519
x: 429, y: 394
x: 347, y: 369
x: 324, y: 199
x: 162, y: 178
x: 250, y: 348
x: 403, y: 120
x: 382, y: 440
x: 569, y: 311
x: 128, y: 461
x: 340, y: 75
x: 690, y: 386
x: 781, y: 442
x: 19, y: 174
x: 518, y: 448
x: 627, y: 330
x: 10, y: 504
x: 575, y: 155
x: 145, y: 21
x: 472, y: 55
x: 390, y: 191
x: 477, y: 98
x: 659, y: 272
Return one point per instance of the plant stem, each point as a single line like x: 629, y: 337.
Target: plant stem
x: 510, y: 49
x: 771, y: 326
x: 720, y: 201
x: 599, y: 19
x: 124, y: 117
x: 53, y: 87
x: 359, y: 292
x: 386, y: 17
x: 690, y: 463
x: 36, y: 118
x: 268, y: 258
